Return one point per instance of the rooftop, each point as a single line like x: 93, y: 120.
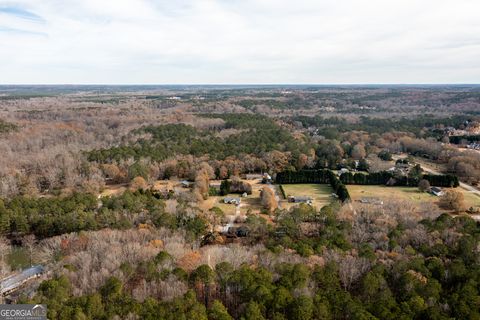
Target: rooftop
x: 14, y: 281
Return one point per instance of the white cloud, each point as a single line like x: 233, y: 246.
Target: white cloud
x: 239, y: 41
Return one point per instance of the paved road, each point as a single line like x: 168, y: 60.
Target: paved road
x: 428, y: 168
x: 463, y: 185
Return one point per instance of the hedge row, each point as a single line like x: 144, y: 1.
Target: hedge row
x: 388, y: 178
x: 284, y: 195
x: 459, y: 139
x: 323, y: 176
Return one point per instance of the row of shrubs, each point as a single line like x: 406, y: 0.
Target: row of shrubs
x: 388, y: 178
x: 326, y: 176
x: 322, y: 176
x: 284, y: 195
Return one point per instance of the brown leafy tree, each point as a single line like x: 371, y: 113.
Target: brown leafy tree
x: 269, y: 201
x: 358, y: 152
x: 138, y: 183
x: 453, y: 200
x: 202, y: 183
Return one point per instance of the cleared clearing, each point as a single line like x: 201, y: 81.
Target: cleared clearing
x: 471, y: 199
x: 251, y: 202
x: 358, y: 192
x: 320, y: 193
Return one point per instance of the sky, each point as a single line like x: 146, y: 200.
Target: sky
x: 239, y: 41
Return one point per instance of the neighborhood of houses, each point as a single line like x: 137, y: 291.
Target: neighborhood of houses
x: 401, y: 168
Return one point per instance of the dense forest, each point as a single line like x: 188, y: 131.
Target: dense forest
x: 254, y: 135
x: 47, y: 217
x: 337, y: 125
x: 413, y: 279
x: 245, y: 202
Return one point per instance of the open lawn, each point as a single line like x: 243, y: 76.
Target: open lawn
x: 113, y: 190
x: 471, y: 199
x: 251, y: 202
x: 320, y: 193
x: 358, y: 192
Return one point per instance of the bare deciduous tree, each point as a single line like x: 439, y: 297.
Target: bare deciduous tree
x: 269, y: 201
x: 358, y: 152
x: 28, y: 242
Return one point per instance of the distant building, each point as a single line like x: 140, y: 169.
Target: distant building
x: 474, y: 146
x: 436, y: 191
x: 300, y: 199
x: 371, y: 201
x: 267, y: 179
x: 449, y: 130
x: 238, y: 232
x: 186, y: 184
x: 402, y: 165
x: 229, y: 200
x: 342, y: 171
x: 253, y: 176
x: 473, y: 128
x: 14, y: 282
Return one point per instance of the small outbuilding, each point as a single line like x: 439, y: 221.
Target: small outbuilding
x: 239, y: 232
x: 342, y: 171
x: 437, y: 191
x: 375, y: 201
x: 300, y: 199
x: 267, y: 179
x: 230, y: 200
x: 185, y: 183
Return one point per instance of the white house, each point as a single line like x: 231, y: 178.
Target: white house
x: 229, y: 200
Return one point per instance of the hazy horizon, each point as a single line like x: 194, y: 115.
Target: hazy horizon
x: 373, y: 84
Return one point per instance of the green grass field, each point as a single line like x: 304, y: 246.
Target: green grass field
x: 404, y: 193
x: 320, y: 193
x: 471, y: 199
x: 252, y: 202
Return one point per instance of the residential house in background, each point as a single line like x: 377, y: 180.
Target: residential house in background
x: 300, y: 199
x: 230, y: 200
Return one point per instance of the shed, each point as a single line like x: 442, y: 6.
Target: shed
x: 300, y: 199
x: 230, y: 200
x: 436, y: 191
x: 371, y: 201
